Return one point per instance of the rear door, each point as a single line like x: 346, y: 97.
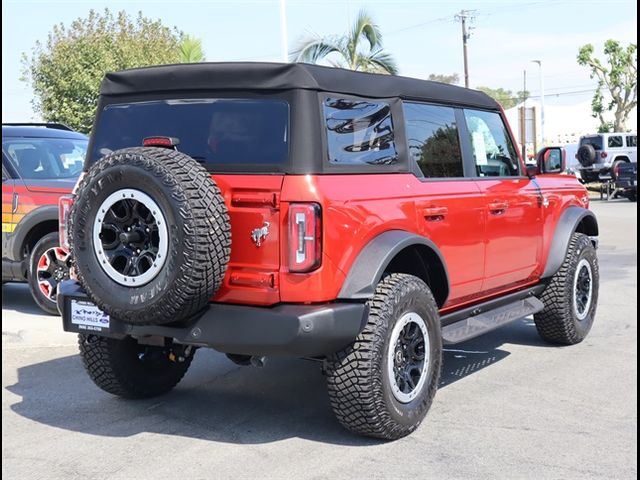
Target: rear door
x: 631, y: 142
x: 450, y: 208
x: 512, y: 204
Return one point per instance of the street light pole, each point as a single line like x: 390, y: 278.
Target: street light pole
x: 284, y: 42
x: 539, y: 62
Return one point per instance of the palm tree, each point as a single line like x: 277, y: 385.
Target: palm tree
x: 349, y: 50
x: 190, y: 50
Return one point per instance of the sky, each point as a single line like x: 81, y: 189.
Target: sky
x: 423, y: 36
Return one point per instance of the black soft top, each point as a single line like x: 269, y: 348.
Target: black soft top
x: 286, y: 76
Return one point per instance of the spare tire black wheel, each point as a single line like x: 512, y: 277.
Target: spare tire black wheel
x: 586, y: 155
x: 150, y: 234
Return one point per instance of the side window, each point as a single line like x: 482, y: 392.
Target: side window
x: 632, y: 141
x: 493, y: 150
x: 433, y: 140
x: 615, y: 141
x: 359, y: 132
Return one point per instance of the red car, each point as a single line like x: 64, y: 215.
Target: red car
x: 362, y: 220
x: 40, y: 162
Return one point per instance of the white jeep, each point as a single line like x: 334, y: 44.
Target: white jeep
x: 601, y: 154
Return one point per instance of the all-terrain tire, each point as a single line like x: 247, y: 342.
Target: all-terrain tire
x: 358, y: 382
x: 127, y: 369
x: 198, y: 226
x: 587, y: 155
x: 559, y: 322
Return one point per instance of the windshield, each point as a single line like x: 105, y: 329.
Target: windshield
x: 45, y: 158
x: 595, y: 141
x: 219, y: 133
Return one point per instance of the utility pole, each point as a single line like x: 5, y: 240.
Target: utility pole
x: 463, y: 16
x: 284, y: 41
x: 539, y: 62
x: 524, y: 116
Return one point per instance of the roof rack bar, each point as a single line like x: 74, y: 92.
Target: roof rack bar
x: 57, y: 126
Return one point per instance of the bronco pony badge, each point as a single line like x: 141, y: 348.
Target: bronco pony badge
x: 259, y: 234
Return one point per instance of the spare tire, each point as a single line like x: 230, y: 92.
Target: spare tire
x: 586, y: 155
x: 150, y: 235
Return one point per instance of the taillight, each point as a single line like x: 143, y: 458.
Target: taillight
x: 64, y: 207
x: 166, y: 142
x: 603, y: 154
x: 305, y: 237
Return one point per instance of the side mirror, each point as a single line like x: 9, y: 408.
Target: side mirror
x: 532, y: 171
x: 551, y: 160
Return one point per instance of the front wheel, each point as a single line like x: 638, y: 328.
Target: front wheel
x: 49, y: 265
x: 384, y: 383
x: 571, y: 298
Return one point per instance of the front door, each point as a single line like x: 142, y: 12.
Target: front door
x: 7, y: 209
x: 513, y: 240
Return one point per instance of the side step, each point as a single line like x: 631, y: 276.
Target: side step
x: 484, y: 322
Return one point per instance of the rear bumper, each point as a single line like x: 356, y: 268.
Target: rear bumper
x: 289, y: 330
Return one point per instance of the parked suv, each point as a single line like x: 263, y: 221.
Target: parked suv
x: 603, y: 153
x: 40, y: 162
x: 361, y: 220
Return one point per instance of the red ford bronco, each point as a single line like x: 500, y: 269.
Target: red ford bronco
x: 362, y: 220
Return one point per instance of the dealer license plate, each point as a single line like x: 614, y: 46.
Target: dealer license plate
x: 88, y: 317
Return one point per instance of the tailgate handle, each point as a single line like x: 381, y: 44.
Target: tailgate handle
x: 245, y: 199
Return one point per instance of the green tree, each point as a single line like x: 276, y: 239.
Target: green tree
x: 618, y: 74
x: 452, y: 79
x: 66, y: 70
x: 190, y: 50
x: 506, y: 98
x: 359, y: 49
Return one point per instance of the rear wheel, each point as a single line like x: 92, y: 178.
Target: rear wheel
x: 128, y: 369
x: 571, y: 298
x: 48, y: 266
x: 384, y: 383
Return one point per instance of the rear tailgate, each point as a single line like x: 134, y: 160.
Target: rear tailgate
x: 254, y: 208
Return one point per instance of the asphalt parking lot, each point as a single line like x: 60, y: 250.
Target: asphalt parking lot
x: 509, y: 406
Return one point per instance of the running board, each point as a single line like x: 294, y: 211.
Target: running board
x: 484, y: 322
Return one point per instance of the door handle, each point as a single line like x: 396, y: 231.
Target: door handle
x: 435, y: 214
x: 498, y: 208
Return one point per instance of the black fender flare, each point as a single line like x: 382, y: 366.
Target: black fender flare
x: 567, y: 225
x: 29, y: 221
x: 375, y: 257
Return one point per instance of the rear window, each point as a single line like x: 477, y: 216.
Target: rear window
x: 221, y: 134
x: 595, y: 142
x: 359, y: 132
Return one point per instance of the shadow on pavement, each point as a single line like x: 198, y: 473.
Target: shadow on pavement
x: 17, y: 297
x: 220, y: 401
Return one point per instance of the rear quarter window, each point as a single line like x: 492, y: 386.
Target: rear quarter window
x: 632, y: 141
x: 614, y: 141
x: 359, y: 132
